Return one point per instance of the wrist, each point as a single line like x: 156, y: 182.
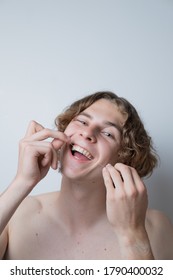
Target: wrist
x: 21, y: 187
x: 28, y: 182
x: 135, y: 244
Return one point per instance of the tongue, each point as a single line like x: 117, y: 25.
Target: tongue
x: 80, y: 156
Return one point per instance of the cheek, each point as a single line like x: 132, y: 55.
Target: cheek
x: 69, y: 130
x: 111, y: 155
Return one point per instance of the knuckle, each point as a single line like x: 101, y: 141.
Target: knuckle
x: 134, y: 194
x: 110, y: 196
x: 22, y: 142
x: 122, y: 196
x: 27, y: 147
x: 61, y: 135
x: 143, y: 190
x: 142, y: 187
x: 46, y: 132
x: 32, y: 123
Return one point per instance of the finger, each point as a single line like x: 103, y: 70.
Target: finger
x: 53, y: 153
x: 127, y: 177
x: 115, y: 176
x: 138, y: 181
x: 49, y: 160
x: 125, y: 172
x: 46, y: 133
x: 33, y: 127
x: 44, y: 150
x: 141, y: 190
x: 113, y: 182
x: 57, y: 143
x: 108, y: 182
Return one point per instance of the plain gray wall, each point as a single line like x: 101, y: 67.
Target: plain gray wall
x: 54, y: 51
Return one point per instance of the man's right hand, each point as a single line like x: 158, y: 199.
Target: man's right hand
x: 36, y: 155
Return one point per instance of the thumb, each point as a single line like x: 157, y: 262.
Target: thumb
x: 57, y: 144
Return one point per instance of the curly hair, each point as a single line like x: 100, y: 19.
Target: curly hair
x: 136, y: 148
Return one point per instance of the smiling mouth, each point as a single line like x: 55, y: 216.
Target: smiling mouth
x: 80, y: 152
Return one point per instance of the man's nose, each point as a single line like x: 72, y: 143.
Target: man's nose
x: 89, y: 134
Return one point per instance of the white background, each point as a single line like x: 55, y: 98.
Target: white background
x: 55, y: 51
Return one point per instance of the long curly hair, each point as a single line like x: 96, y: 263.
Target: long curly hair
x: 136, y: 148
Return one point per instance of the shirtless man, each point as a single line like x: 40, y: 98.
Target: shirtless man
x: 101, y: 210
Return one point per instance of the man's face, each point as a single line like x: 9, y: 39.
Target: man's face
x: 95, y: 140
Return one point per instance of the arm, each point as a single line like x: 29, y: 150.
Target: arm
x: 35, y: 159
x: 126, y: 205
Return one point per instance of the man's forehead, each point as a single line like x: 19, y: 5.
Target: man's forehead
x: 107, y: 111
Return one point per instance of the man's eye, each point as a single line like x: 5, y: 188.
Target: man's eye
x: 108, y: 134
x: 81, y: 121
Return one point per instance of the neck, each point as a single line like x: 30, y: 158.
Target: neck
x: 81, y: 204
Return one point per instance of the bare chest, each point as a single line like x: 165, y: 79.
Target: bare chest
x: 48, y: 241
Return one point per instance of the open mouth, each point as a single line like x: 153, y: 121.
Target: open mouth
x: 80, y: 153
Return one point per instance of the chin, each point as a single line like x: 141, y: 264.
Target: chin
x: 82, y: 175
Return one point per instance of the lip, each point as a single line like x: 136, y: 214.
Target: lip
x: 83, y: 151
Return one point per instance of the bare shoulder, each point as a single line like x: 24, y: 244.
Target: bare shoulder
x: 30, y: 220
x: 156, y: 217
x: 160, y: 232
x: 32, y: 204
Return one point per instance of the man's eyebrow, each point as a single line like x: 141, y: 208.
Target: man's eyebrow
x: 86, y: 115
x: 107, y: 123
x: 114, y: 125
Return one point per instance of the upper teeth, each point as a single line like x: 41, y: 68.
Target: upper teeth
x: 82, y: 151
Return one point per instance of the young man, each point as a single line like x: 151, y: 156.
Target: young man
x: 103, y: 151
